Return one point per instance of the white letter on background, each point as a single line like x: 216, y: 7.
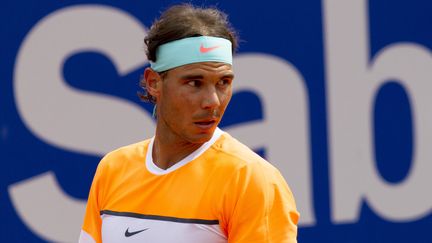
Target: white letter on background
x: 353, y: 80
x: 284, y: 132
x: 69, y: 118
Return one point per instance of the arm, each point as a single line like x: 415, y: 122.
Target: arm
x: 91, y: 229
x: 260, y: 207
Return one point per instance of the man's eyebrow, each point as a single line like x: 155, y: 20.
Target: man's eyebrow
x: 199, y: 76
x: 192, y: 76
x: 230, y: 76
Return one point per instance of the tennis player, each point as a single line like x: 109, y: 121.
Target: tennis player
x: 191, y: 182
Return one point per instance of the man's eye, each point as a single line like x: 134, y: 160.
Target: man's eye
x: 194, y: 83
x: 224, y: 82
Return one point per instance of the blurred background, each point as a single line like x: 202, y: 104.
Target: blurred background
x: 334, y: 93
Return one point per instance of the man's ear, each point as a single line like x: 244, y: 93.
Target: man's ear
x: 152, y: 80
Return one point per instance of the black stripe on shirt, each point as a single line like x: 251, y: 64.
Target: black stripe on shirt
x: 157, y: 217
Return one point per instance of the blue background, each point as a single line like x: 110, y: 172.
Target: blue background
x: 291, y: 30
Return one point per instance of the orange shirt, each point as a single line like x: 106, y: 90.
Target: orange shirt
x: 222, y: 192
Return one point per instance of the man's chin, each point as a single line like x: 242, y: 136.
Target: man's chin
x: 201, y: 138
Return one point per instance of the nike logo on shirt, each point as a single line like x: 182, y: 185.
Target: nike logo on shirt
x: 129, y: 234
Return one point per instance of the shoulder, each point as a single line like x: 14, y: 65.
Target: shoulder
x: 124, y: 156
x: 252, y: 182
x: 239, y: 155
x: 248, y: 169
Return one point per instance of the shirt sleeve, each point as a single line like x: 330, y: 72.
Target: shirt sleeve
x: 91, y: 229
x: 259, y: 207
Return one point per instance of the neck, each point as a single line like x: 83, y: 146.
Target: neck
x: 168, y: 150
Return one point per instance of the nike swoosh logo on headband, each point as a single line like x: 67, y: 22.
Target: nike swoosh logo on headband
x: 207, y: 49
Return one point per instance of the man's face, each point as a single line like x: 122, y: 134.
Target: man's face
x: 192, y: 101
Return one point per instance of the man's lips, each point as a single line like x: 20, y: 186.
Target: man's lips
x: 205, y: 124
x: 207, y: 120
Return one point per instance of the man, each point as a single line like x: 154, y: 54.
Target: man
x: 191, y: 182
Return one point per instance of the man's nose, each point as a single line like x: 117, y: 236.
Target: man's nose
x: 211, y: 99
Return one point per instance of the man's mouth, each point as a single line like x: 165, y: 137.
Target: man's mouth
x: 205, y: 124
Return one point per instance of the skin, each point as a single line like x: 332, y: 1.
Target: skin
x: 191, y: 101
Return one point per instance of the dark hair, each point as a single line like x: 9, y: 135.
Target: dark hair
x: 182, y: 21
